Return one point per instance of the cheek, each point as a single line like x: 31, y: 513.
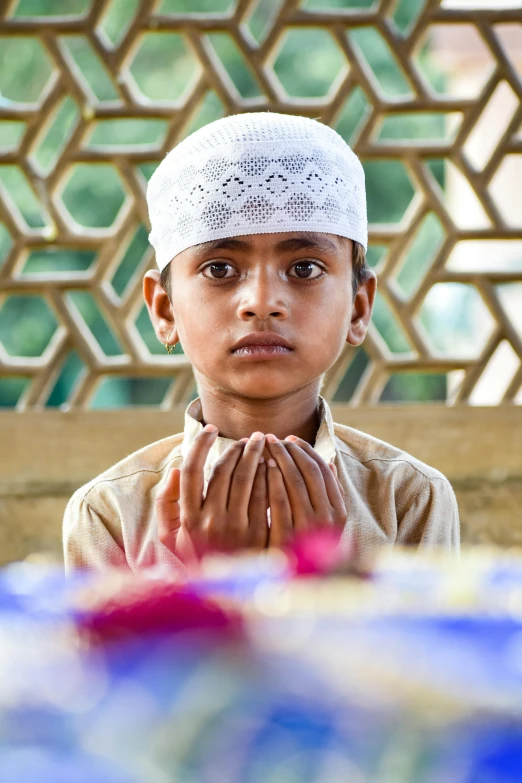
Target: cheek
x: 200, y: 320
x: 326, y: 317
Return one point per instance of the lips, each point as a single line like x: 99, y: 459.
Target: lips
x: 262, y: 340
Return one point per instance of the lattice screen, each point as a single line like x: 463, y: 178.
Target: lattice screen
x: 428, y: 94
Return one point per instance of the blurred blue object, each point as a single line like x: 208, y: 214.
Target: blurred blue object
x: 347, y: 687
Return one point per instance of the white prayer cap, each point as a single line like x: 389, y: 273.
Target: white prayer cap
x: 256, y: 173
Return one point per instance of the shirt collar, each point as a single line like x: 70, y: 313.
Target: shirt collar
x: 324, y: 441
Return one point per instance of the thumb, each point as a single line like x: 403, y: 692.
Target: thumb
x: 168, y: 510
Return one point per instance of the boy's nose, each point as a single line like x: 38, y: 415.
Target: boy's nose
x: 262, y: 299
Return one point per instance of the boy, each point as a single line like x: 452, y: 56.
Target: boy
x: 259, y: 226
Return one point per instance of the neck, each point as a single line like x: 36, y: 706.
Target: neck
x: 238, y: 417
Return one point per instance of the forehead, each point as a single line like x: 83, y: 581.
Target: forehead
x: 279, y: 243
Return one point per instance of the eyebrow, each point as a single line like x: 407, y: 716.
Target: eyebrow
x: 306, y: 240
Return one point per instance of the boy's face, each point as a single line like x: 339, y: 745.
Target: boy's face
x: 291, y: 288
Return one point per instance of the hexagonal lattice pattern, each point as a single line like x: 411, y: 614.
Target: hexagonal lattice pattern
x: 108, y: 96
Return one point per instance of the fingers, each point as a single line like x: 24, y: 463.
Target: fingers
x: 192, y: 474
x: 281, y: 523
x: 244, y: 475
x: 328, y: 471
x: 168, y: 510
x: 218, y: 488
x: 315, y: 483
x: 295, y: 484
x: 257, y: 509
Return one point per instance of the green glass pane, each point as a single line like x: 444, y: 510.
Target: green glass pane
x: 147, y: 333
x: 352, y: 377
x: 164, y: 67
x: 260, y: 21
x: 419, y: 126
x: 22, y: 196
x: 131, y: 260
x: 349, y: 5
x: 121, y: 392
x: 430, y: 68
x: 90, y: 68
x: 118, y: 18
x: 66, y: 381
x: 26, y: 8
x: 421, y: 253
x: 127, y: 132
x: 406, y: 12
x: 211, y: 108
x: 388, y: 190
x: 353, y: 116
x: 308, y: 63
x: 235, y: 65
x: 26, y: 325
x: 195, y: 6
x: 11, y: 133
x: 11, y: 389
x: 415, y: 387
x: 437, y: 168
x: 25, y: 69
x: 56, y: 136
x: 93, y: 195
x: 381, y: 61
x: 57, y: 259
x: 388, y: 326
x: 88, y: 309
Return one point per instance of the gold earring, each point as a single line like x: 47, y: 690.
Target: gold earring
x: 169, y: 347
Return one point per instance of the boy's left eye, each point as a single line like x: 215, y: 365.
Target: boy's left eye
x: 307, y: 270
x: 218, y: 270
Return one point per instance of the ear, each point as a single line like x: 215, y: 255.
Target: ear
x: 362, y: 310
x: 160, y: 308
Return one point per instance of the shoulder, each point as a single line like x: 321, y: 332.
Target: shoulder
x: 142, y: 469
x: 423, y: 501
x: 371, y: 454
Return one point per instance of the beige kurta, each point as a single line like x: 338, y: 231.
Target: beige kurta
x: 391, y: 498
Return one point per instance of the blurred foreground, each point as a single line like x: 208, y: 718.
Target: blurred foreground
x: 267, y: 668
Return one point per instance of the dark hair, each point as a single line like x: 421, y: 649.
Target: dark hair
x: 360, y: 269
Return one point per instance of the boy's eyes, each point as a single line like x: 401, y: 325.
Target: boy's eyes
x: 307, y: 270
x: 302, y: 270
x: 218, y: 270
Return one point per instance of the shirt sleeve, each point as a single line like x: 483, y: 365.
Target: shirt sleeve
x: 432, y: 519
x: 87, y: 540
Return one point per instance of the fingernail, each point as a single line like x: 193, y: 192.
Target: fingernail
x: 272, y: 463
x: 244, y: 440
x: 291, y: 438
x: 257, y: 436
x: 271, y: 438
x: 210, y: 428
x: 261, y: 460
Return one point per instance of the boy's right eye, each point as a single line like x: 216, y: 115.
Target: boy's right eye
x: 218, y: 270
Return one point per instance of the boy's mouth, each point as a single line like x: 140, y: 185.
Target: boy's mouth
x: 262, y: 345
